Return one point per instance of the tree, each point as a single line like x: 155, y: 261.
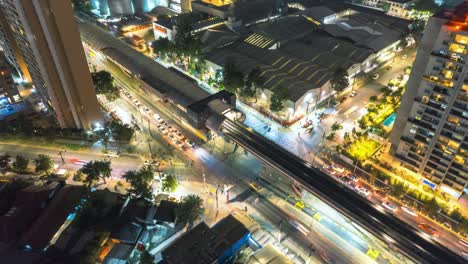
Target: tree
x: 169, y: 184
x: 277, y: 99
x: 140, y: 182
x: 189, y: 209
x: 340, y: 80
x: 121, y: 132
x: 426, y: 5
x: 336, y: 126
x: 104, y: 84
x: 233, y: 78
x: 252, y: 82
x: 5, y: 162
x: 21, y: 163
x: 163, y: 45
x: 43, y: 164
x: 95, y: 170
x: 146, y: 257
x: 373, y: 98
x: 431, y: 206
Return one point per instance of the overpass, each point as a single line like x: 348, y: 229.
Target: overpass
x: 383, y: 225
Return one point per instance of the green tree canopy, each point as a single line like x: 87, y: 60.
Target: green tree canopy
x: 340, y: 80
x: 189, y: 209
x: 121, y: 132
x: 104, y: 84
x: 169, y: 184
x: 5, y: 162
x: 43, y: 164
x: 277, y: 99
x: 95, y: 170
x: 233, y: 78
x: 140, y: 182
x: 21, y: 163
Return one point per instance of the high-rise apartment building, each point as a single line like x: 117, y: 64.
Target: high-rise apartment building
x: 47, y: 36
x: 8, y: 89
x: 430, y: 133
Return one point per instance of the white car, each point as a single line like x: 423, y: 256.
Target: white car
x: 337, y: 168
x: 363, y: 191
x: 190, y: 143
x: 352, y: 94
x: 389, y: 206
x: 158, y: 118
x: 179, y: 143
x: 409, y: 211
x: 375, y: 76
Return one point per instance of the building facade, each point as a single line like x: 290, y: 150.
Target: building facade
x: 398, y: 8
x: 47, y: 37
x: 430, y: 133
x: 8, y: 89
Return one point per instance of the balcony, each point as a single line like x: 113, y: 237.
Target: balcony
x: 424, y: 124
x: 454, y: 128
x: 441, y: 154
x: 458, y: 113
x: 441, y: 90
x: 436, y: 167
x: 461, y: 106
x: 448, y: 56
x: 433, y: 113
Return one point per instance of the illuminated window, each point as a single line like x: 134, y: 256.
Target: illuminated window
x: 447, y: 74
x: 461, y: 39
x: 453, y: 144
x: 459, y: 159
x: 454, y: 120
x: 457, y: 48
x: 465, y: 87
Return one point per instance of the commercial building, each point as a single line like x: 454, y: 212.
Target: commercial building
x: 8, y: 88
x: 47, y: 37
x: 398, y: 8
x: 300, y: 53
x: 202, y: 244
x: 117, y: 8
x: 430, y: 132
x: 157, y: 82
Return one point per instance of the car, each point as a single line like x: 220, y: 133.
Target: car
x: 112, y: 154
x: 363, y: 191
x: 164, y: 131
x: 179, y: 135
x: 409, y: 211
x: 179, y: 143
x: 343, y: 99
x: 428, y: 229
x: 138, y: 104
x: 389, y: 206
x: 379, y: 193
x: 171, y: 136
x: 352, y: 94
x: 336, y: 103
x: 146, y: 109
x: 404, y: 57
x: 77, y: 161
x: 170, y: 128
x: 388, y: 67
x: 375, y: 76
x: 190, y: 143
x: 158, y: 118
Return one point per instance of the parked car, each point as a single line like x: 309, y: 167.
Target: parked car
x: 190, y: 143
x: 352, y: 94
x: 363, y: 191
x: 375, y: 76
x: 428, y: 229
x: 409, y: 211
x: 389, y: 206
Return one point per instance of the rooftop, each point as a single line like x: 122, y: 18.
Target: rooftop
x: 148, y: 70
x: 53, y: 217
x: 204, y: 245
x: 131, y: 221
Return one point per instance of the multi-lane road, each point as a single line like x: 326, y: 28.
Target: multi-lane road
x: 373, y: 218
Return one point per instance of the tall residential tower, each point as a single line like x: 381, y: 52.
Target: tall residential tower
x: 430, y: 133
x: 47, y: 36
